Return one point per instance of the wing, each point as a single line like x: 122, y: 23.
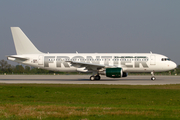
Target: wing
x: 91, y: 66
x: 88, y: 66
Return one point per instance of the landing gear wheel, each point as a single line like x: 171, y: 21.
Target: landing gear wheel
x: 97, y: 77
x: 92, y: 78
x: 153, y: 78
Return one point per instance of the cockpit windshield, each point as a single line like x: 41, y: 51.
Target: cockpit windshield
x: 165, y: 59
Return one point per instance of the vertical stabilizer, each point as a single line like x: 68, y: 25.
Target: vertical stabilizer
x: 22, y: 43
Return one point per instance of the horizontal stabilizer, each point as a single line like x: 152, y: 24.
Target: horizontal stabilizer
x: 18, y: 57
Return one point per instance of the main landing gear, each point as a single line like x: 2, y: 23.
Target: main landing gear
x: 153, y: 77
x: 96, y: 77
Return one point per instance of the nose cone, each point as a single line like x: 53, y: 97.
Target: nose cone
x: 170, y: 65
x: 173, y: 65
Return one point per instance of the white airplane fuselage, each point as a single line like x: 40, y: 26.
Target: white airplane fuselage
x: 130, y: 62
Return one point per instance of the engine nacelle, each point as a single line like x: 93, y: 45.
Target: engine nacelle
x: 114, y: 72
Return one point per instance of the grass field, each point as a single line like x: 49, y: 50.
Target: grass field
x: 87, y: 102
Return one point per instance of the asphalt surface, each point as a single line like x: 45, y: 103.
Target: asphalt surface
x: 84, y: 79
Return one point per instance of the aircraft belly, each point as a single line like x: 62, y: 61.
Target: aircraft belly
x: 61, y: 69
x: 138, y: 70
x: 67, y: 69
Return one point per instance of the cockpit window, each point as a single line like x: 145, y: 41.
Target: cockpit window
x: 165, y: 59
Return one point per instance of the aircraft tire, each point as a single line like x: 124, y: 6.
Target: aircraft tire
x: 92, y: 78
x: 97, y: 77
x: 153, y: 78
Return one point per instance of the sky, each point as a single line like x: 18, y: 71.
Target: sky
x: 93, y: 26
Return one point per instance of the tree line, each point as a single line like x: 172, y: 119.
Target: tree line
x: 6, y: 68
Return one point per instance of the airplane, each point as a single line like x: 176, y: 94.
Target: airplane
x: 113, y: 65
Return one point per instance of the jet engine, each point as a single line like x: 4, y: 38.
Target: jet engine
x: 113, y: 73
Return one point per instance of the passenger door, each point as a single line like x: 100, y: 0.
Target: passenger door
x: 40, y: 60
x: 153, y: 60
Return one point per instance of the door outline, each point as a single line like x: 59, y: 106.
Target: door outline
x: 153, y: 60
x: 40, y: 60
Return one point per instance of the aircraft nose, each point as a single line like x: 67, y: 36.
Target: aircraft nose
x: 173, y: 65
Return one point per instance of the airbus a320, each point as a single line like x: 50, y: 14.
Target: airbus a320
x: 113, y: 65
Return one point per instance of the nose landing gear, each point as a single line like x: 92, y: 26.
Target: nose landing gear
x: 153, y: 77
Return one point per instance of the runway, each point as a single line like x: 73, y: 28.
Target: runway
x: 84, y: 79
